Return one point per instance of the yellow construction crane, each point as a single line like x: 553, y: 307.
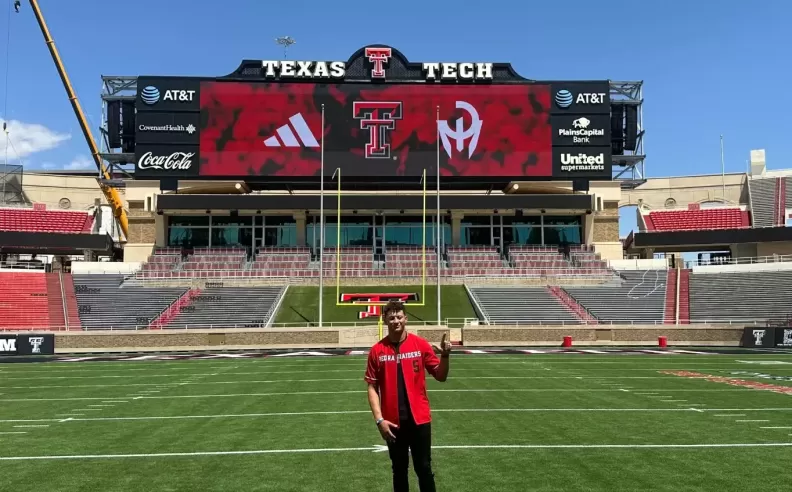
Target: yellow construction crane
x: 110, y: 193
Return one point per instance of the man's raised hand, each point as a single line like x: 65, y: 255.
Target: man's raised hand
x: 445, y: 346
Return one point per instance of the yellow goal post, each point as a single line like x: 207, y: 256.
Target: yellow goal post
x: 422, y: 300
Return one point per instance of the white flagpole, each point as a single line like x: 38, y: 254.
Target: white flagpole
x: 437, y: 220
x: 321, y: 224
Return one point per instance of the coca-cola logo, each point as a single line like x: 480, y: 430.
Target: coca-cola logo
x: 176, y: 161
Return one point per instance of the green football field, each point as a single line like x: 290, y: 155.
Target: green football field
x: 538, y: 422
x: 300, y: 305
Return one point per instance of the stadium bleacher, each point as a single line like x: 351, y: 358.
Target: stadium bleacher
x: 32, y: 220
x: 458, y: 261
x: 104, y: 303
x: 280, y: 261
x: 763, y: 199
x: 228, y: 307
x: 24, y: 302
x: 216, y: 260
x: 695, y: 218
x: 638, y: 298
x: 740, y: 296
x: 409, y: 262
x: 476, y: 260
x: 522, y: 305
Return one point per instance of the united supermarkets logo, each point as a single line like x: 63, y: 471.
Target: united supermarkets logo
x: 582, y: 162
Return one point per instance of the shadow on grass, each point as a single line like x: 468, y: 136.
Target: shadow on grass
x: 300, y: 315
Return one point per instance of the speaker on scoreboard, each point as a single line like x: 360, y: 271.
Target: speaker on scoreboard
x: 630, y: 127
x: 580, y: 185
x: 114, y: 124
x: 128, y: 126
x: 617, y: 129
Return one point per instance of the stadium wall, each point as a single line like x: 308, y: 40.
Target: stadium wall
x: 777, y: 248
x: 51, y: 189
x: 364, y: 337
x: 148, y: 228
x: 662, y: 193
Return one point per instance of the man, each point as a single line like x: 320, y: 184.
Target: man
x: 397, y: 396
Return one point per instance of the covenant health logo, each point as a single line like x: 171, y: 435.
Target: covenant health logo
x: 189, y: 129
x: 151, y: 95
x: 563, y: 98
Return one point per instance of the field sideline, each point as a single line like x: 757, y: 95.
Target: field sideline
x: 539, y: 422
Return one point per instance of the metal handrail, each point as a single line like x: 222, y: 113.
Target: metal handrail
x: 63, y: 300
x: 467, y: 322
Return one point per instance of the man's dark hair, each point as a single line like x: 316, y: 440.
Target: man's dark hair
x: 392, y: 307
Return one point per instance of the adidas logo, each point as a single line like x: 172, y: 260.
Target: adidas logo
x: 301, y: 136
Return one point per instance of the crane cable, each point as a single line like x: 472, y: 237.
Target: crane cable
x: 8, y: 61
x: 5, y: 101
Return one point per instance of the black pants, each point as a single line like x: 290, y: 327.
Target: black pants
x: 416, y: 440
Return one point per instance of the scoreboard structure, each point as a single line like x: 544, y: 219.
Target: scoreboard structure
x: 376, y: 117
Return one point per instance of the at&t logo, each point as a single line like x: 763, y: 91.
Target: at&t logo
x: 565, y: 98
x: 151, y: 95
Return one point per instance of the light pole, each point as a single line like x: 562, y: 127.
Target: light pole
x: 321, y: 225
x: 286, y: 42
x: 437, y: 221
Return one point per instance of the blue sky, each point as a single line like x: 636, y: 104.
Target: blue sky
x: 709, y: 67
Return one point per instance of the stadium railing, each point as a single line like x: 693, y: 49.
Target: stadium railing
x: 740, y: 261
x: 450, y: 322
x: 6, y: 265
x: 288, y: 274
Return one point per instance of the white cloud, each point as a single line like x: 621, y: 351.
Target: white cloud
x: 28, y: 138
x: 80, y: 163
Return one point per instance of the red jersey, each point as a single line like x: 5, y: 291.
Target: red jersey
x: 416, y: 355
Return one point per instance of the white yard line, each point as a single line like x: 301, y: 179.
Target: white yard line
x: 14, y: 432
x: 26, y: 426
x: 775, y: 427
x: 321, y: 380
x: 361, y: 367
x: 752, y: 421
x: 378, y: 448
x: 296, y: 393
x: 729, y: 414
x: 438, y: 410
